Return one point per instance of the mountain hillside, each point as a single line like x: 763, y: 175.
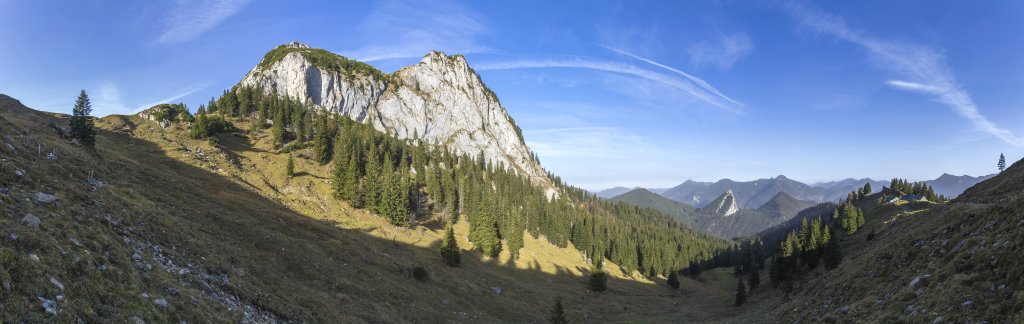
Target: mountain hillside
x: 612, y: 192
x: 440, y: 100
x: 923, y: 262
x: 837, y: 190
x: 682, y: 213
x: 783, y: 205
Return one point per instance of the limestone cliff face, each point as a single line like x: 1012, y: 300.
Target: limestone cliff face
x: 440, y: 100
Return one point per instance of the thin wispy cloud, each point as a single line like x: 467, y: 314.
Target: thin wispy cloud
x: 589, y: 142
x: 698, y: 81
x: 188, y: 90
x: 919, y: 68
x: 685, y: 85
x: 403, y: 29
x: 110, y: 100
x: 190, y: 18
x: 722, y: 53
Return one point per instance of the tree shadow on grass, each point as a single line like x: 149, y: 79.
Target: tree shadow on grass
x: 306, y: 269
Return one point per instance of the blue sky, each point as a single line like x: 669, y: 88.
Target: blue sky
x: 608, y: 93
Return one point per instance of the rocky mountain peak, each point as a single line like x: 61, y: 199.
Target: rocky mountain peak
x: 440, y: 100
x: 724, y: 205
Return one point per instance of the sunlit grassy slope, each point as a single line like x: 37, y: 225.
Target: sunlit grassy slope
x: 191, y: 230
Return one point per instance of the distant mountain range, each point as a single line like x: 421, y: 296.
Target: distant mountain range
x: 754, y: 194
x: 722, y: 216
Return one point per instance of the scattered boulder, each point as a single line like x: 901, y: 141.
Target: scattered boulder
x: 844, y: 309
x: 919, y: 280
x: 496, y: 290
x: 5, y: 191
x: 49, y: 306
x: 136, y: 320
x: 172, y: 291
x: 160, y: 302
x: 33, y: 257
x: 937, y: 320
x: 19, y: 172
x: 31, y: 220
x: 56, y: 283
x: 45, y: 198
x: 968, y: 303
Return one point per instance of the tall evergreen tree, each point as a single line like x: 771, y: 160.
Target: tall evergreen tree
x: 673, y: 279
x: 450, y: 253
x: 598, y: 278
x: 1002, y: 162
x: 831, y: 255
x: 741, y: 292
x: 558, y: 313
x: 289, y: 168
x: 754, y: 279
x: 82, y: 128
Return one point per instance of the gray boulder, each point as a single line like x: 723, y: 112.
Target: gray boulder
x: 45, y: 198
x: 31, y: 220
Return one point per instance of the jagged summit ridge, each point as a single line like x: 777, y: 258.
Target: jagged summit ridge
x: 440, y: 100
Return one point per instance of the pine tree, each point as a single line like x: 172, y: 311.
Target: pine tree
x: 598, y: 280
x: 755, y: 279
x: 867, y: 188
x: 832, y: 256
x: 558, y: 313
x: 277, y: 131
x: 673, y: 279
x: 1002, y: 162
x: 289, y: 168
x: 450, y: 253
x: 741, y: 293
x: 82, y: 128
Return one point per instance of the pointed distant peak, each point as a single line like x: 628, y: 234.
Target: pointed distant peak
x: 782, y: 195
x: 781, y: 177
x: 727, y: 193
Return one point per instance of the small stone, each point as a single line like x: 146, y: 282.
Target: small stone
x: 161, y: 302
x: 31, y: 220
x: 5, y: 191
x: 968, y: 303
x: 136, y: 256
x: 49, y: 306
x: 844, y: 309
x: 75, y: 241
x: 60, y: 298
x: 445, y: 301
x: 14, y: 236
x: 45, y: 198
x: 937, y: 320
x: 56, y: 283
x: 9, y: 147
x: 172, y: 291
x: 136, y: 320
x: 33, y: 257
x: 144, y: 295
x: 496, y: 290
x: 19, y: 172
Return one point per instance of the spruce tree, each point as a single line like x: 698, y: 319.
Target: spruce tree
x: 450, y: 253
x: 82, y: 128
x: 598, y: 278
x: 1002, y: 162
x: 741, y: 293
x: 755, y: 279
x: 289, y: 168
x: 558, y: 313
x: 673, y: 279
x: 832, y: 256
